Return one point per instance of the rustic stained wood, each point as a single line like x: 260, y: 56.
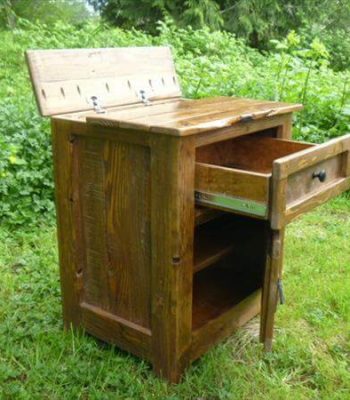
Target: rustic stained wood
x: 260, y: 168
x: 142, y: 265
x: 193, y: 117
x: 65, y: 80
x: 293, y: 181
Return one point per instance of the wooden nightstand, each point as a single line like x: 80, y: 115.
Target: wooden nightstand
x: 171, y: 212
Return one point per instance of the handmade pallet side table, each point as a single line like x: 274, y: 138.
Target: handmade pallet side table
x: 171, y: 212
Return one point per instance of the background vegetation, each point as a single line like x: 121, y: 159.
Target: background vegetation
x: 256, y: 21
x: 208, y: 63
x: 295, y: 51
x: 300, y: 53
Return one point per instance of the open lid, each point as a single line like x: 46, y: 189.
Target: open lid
x: 83, y: 79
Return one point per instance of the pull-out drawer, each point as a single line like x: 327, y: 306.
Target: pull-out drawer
x: 271, y: 178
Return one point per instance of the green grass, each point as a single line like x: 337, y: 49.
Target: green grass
x: 311, y: 357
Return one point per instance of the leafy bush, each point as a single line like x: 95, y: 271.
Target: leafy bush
x: 338, y: 43
x: 208, y: 63
x: 26, y: 183
x: 49, y: 11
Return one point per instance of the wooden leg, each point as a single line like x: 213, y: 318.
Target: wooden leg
x: 285, y: 130
x: 67, y: 229
x: 273, y: 272
x: 172, y: 253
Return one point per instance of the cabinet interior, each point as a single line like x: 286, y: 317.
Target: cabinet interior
x: 229, y: 254
x: 255, y: 152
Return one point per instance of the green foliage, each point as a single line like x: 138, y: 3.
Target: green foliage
x: 7, y: 15
x: 256, y: 21
x: 259, y: 21
x: 26, y: 183
x: 208, y: 63
x: 338, y: 44
x: 311, y: 357
x: 47, y: 11
x: 202, y: 13
x: 145, y: 14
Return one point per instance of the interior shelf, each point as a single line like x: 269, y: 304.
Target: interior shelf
x: 216, y: 239
x: 211, y: 243
x: 217, y: 290
x: 204, y: 214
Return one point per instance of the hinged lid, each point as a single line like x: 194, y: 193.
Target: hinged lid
x: 86, y: 79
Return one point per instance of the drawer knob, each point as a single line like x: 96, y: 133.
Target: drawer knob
x: 321, y: 175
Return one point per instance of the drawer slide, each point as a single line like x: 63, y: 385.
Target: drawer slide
x: 231, y: 189
x: 229, y: 203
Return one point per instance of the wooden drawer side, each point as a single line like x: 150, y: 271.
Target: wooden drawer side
x: 230, y: 189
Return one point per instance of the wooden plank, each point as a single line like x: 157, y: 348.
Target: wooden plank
x: 194, y: 109
x: 91, y: 183
x: 278, y: 200
x: 303, y: 184
x: 224, y: 325
x: 137, y: 117
x: 65, y: 80
x: 211, y: 122
x: 232, y: 182
x: 82, y: 115
x: 240, y: 129
x: 121, y: 135
x: 194, y: 120
x: 346, y: 163
x: 172, y: 227
x: 127, y: 228
x: 68, y: 227
x: 179, y: 107
x: 311, y: 156
x: 112, y: 329
x: 284, y: 131
x: 315, y: 199
x: 250, y: 153
x: 289, y: 200
x: 115, y: 190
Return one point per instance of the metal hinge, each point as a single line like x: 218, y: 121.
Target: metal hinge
x: 143, y: 95
x: 246, y: 117
x: 97, y: 105
x: 280, y: 291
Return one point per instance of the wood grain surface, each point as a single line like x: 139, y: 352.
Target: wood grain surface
x: 66, y: 80
x: 191, y: 117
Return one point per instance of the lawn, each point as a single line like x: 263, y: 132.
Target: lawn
x: 311, y: 357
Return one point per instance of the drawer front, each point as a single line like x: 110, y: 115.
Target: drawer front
x: 311, y: 180
x: 308, y: 178
x: 232, y: 190
x: 269, y: 178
